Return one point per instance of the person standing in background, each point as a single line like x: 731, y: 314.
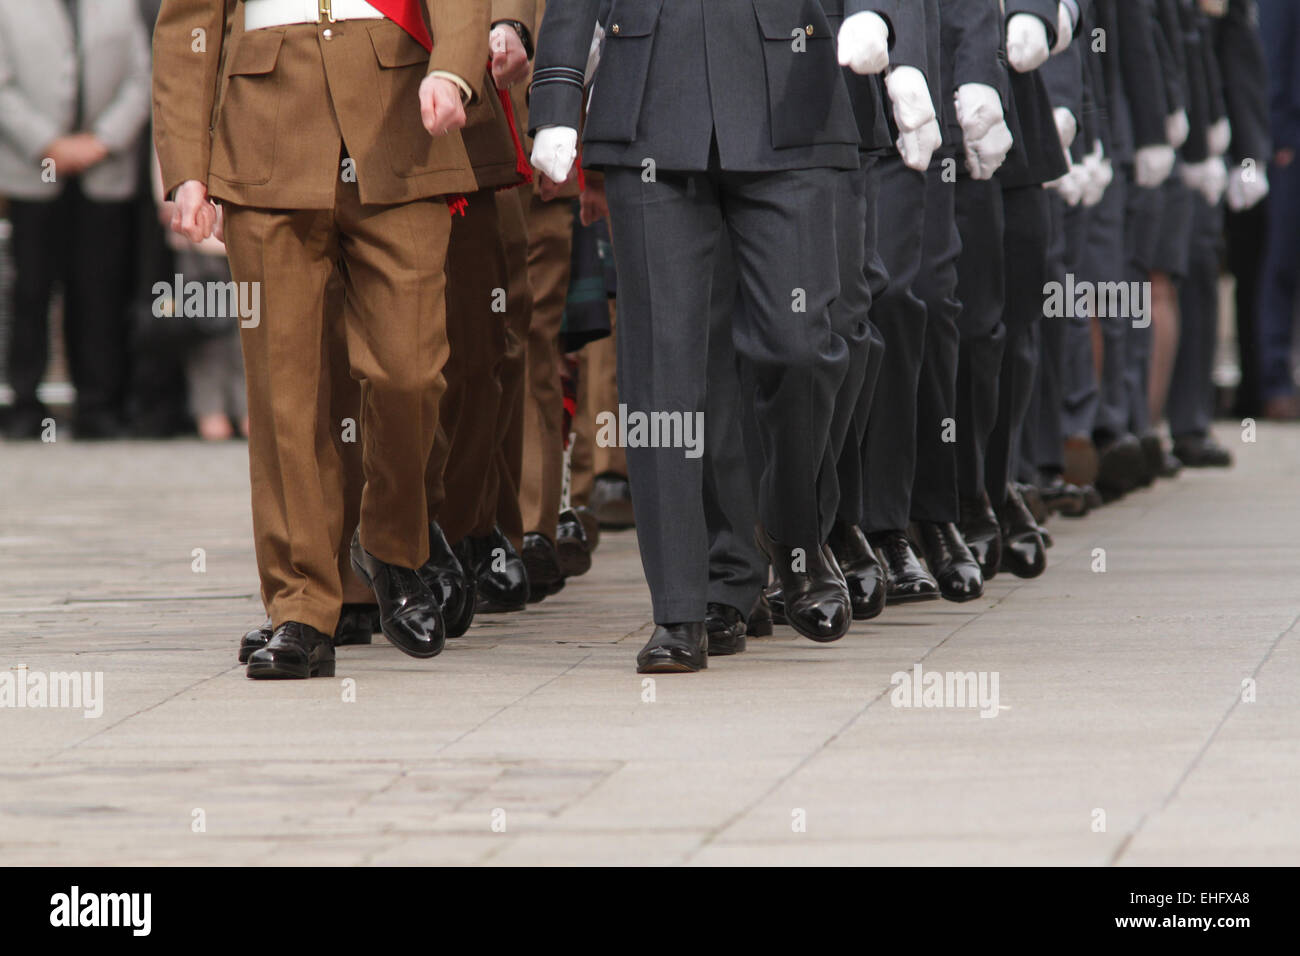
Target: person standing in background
x: 74, y: 99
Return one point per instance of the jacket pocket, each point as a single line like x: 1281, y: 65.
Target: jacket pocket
x: 403, y: 64
x: 243, y: 149
x: 806, y: 96
x: 619, y: 84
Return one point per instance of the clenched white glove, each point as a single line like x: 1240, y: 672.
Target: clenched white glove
x: 1247, y: 186
x: 1027, y: 47
x: 1067, y: 127
x: 864, y: 43
x: 1064, y: 29
x: 1177, y: 128
x: 1071, y: 186
x: 983, y: 128
x: 918, y: 128
x: 1153, y: 164
x: 1209, y: 178
x: 1100, y: 173
x: 554, y: 150
x: 1219, y: 136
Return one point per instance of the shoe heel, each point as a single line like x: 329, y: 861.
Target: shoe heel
x: 761, y: 628
x: 324, y: 669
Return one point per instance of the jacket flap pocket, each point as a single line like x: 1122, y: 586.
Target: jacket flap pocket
x: 257, y: 52
x: 636, y: 18
x: 394, y: 48
x: 778, y: 21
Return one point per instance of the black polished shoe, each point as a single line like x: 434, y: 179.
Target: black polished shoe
x: 983, y: 535
x: 450, y: 583
x: 954, y: 568
x: 1201, y: 451
x: 726, y: 629
x: 1024, y: 552
x: 296, y: 652
x: 1153, y: 457
x: 1034, y: 501
x: 408, y: 612
x: 357, y: 624
x: 1063, y: 498
x: 759, y: 622
x: 816, y: 597
x: 1093, y: 497
x: 500, y: 581
x: 26, y: 422
x: 861, y: 568
x: 905, y: 579
x: 543, y: 567
x: 675, y: 649
x: 611, y: 500
x: 1121, y: 466
x: 257, y: 638
x: 590, y: 525
x: 571, y: 548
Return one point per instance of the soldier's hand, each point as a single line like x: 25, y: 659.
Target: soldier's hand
x: 864, y: 43
x: 593, y: 205
x: 983, y: 128
x: 441, y: 107
x: 509, y: 60
x: 554, y: 150
x: 1027, y: 47
x: 195, y: 217
x: 1219, y: 136
x: 1152, y: 165
x: 1177, y: 128
x: 1067, y: 128
x: 918, y: 127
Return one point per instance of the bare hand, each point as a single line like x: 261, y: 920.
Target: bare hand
x: 194, y: 216
x: 76, y: 153
x: 441, y: 107
x: 509, y: 60
x: 593, y: 206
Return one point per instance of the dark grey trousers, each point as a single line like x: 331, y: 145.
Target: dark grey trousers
x: 1191, y: 391
x: 667, y: 233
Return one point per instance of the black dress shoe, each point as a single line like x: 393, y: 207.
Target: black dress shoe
x: 591, y: 525
x: 500, y: 581
x: 408, y: 612
x: 26, y: 422
x: 1121, y: 466
x: 759, y: 622
x: 1201, y: 451
x: 726, y: 629
x: 571, y: 548
x: 1024, y: 553
x: 256, y: 638
x: 816, y: 596
x: 295, y: 651
x: 97, y: 426
x: 611, y: 499
x: 863, y: 574
x: 954, y: 568
x: 675, y: 649
x: 1034, y: 501
x: 983, y: 535
x: 357, y: 622
x: 451, y: 585
x: 1062, y: 498
x: 905, y: 579
x: 1153, y: 458
x: 1093, y: 497
x: 542, y: 565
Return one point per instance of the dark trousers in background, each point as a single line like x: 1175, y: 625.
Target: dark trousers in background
x: 1278, y: 283
x: 1042, y: 443
x: 934, y: 463
x: 1112, y: 257
x: 899, y: 315
x: 1191, y: 390
x: 1247, y: 234
x: 86, y: 247
x: 1080, y: 391
x: 666, y: 236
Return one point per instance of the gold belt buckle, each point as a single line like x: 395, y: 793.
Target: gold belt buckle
x: 325, y: 10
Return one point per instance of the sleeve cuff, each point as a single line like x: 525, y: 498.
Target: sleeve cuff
x: 466, y: 91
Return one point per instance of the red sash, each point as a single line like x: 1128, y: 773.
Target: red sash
x: 406, y: 14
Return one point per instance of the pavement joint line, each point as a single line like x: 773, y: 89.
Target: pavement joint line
x: 1200, y: 754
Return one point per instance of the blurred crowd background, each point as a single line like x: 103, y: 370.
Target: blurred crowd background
x: 83, y: 242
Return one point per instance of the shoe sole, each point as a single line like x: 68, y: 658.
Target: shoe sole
x: 725, y: 647
x: 258, y: 671
x: 911, y: 598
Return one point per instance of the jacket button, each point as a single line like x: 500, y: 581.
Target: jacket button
x: 808, y: 29
x: 614, y: 28
x: 328, y: 34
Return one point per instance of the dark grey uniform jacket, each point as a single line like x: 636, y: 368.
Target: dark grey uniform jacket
x: 1036, y: 157
x: 759, y: 75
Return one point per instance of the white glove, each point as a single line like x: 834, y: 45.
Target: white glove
x: 1219, y: 136
x: 1100, y: 172
x: 554, y: 150
x: 1067, y: 127
x: 918, y: 128
x: 983, y: 128
x: 1247, y: 185
x: 1177, y: 128
x: 1064, y: 29
x: 1027, y: 47
x: 1209, y: 178
x: 864, y: 43
x: 1071, y: 186
x: 1153, y: 164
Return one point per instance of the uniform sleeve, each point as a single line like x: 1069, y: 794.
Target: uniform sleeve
x: 907, y: 25
x: 1140, y: 70
x: 563, y: 42
x: 460, y: 39
x: 1245, y: 78
x: 187, y: 42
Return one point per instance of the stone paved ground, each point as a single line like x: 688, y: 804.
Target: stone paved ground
x: 532, y: 739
